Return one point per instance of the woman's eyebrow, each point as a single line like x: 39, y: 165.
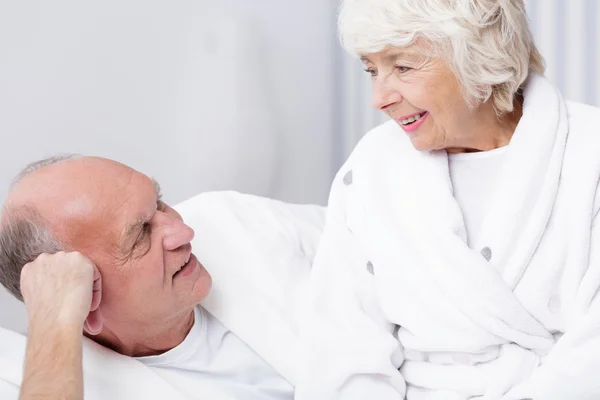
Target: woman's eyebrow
x: 393, y: 57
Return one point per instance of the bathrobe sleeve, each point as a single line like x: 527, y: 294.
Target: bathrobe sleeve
x: 571, y: 370
x: 348, y: 350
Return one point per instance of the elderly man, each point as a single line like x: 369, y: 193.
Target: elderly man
x: 117, y: 263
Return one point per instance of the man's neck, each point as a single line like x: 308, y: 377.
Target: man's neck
x: 136, y: 340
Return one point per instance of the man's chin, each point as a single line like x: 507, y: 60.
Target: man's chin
x: 202, y: 287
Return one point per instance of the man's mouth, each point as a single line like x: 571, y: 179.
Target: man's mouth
x: 185, y: 263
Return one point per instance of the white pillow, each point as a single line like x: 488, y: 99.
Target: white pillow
x: 12, y: 312
x: 259, y: 253
x: 269, y: 243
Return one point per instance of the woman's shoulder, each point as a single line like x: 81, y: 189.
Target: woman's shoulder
x: 584, y: 123
x: 381, y: 138
x: 581, y: 164
x: 377, y: 140
x: 582, y: 151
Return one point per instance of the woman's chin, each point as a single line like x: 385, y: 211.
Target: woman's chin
x: 422, y: 144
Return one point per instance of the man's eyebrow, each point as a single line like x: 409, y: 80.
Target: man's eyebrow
x: 139, y: 223
x: 157, y: 188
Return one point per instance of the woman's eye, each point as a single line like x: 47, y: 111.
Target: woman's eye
x: 371, y: 72
x: 403, y: 69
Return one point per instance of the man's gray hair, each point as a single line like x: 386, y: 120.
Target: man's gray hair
x: 23, y: 237
x: 34, y: 166
x: 24, y: 234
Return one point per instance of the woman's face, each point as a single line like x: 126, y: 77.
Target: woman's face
x: 423, y: 96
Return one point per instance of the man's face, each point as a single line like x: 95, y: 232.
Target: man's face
x: 149, y: 272
x: 114, y: 215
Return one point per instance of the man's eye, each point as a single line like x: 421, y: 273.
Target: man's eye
x: 144, y: 233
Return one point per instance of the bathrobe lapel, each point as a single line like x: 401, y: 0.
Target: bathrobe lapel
x: 420, y: 225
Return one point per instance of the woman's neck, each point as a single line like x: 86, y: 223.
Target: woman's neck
x: 488, y: 131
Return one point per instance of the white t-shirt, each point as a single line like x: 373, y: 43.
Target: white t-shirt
x: 211, y: 352
x: 474, y: 178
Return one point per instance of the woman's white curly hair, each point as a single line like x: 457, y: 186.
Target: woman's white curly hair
x: 486, y: 43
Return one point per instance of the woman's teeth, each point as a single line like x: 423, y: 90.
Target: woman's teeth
x: 412, y: 119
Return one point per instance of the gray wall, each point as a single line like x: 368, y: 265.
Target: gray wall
x: 175, y: 89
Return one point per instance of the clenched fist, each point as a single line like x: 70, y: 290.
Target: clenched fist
x: 62, y: 288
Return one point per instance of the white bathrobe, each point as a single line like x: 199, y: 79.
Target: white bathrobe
x: 401, y: 307
x: 258, y: 252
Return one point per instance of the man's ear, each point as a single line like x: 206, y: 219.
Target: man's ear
x: 94, y: 322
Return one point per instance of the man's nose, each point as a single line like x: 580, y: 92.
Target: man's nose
x: 176, y: 232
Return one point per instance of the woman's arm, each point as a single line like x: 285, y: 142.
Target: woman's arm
x: 571, y: 369
x: 348, y: 349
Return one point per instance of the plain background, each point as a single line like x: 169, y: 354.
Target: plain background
x: 255, y: 96
x: 201, y: 95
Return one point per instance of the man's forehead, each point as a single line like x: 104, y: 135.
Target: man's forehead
x: 146, y: 201
x: 86, y: 199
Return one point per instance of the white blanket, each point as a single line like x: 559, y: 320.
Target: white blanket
x: 108, y: 375
x: 394, y: 284
x: 259, y: 253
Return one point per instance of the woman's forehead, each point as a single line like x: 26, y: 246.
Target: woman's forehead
x: 392, y: 54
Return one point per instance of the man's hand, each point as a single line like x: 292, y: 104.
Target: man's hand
x: 63, y: 289
x: 62, y: 293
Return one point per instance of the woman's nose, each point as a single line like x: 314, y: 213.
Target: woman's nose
x: 384, y: 96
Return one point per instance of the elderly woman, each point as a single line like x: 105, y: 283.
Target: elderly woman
x: 461, y: 256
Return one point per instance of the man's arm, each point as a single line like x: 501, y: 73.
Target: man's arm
x: 53, y: 366
x: 61, y: 292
